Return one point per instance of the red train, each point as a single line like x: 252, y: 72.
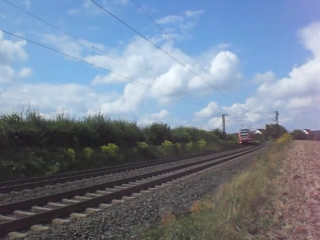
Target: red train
x: 246, y: 136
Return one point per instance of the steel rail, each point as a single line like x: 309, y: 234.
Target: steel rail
x: 19, y: 184
x: 5, y: 208
x: 25, y: 222
x: 6, y: 189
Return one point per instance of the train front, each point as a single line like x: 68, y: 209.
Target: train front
x: 245, y: 136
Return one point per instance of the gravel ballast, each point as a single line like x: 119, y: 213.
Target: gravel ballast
x: 122, y: 220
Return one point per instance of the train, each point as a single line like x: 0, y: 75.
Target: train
x: 246, y: 136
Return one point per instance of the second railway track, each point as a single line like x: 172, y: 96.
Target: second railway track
x: 29, y: 213
x: 29, y: 183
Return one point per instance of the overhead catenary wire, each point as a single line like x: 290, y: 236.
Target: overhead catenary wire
x: 92, y: 64
x: 93, y: 47
x: 185, y: 51
x: 151, y: 42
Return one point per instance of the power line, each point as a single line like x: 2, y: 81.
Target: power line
x: 155, y: 45
x: 92, y: 64
x: 89, y: 45
x: 185, y: 51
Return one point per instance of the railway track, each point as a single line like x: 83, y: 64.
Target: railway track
x: 23, y: 214
x: 29, y: 183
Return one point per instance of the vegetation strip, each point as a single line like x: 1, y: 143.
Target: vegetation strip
x: 42, y: 217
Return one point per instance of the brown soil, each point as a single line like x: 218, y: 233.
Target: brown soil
x: 296, y: 206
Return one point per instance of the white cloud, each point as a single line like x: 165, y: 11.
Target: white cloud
x: 27, y: 3
x: 160, y: 115
x: 6, y: 74
x: 170, y: 19
x: 224, y: 70
x: 130, y: 101
x: 296, y: 97
x: 193, y: 13
x: 208, y: 111
x: 25, y: 72
x: 74, y: 11
x: 11, y: 52
x: 50, y: 98
x: 264, y: 77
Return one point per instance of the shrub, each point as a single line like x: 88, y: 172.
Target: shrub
x: 189, y: 147
x: 167, y: 146
x: 142, y: 145
x: 71, y: 154
x: 110, y: 150
x: 88, y: 152
x: 202, y: 143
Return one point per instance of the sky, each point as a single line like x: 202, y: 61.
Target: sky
x: 184, y: 63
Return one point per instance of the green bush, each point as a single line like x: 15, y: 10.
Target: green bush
x: 110, y: 150
x: 88, y: 153
x: 167, y: 147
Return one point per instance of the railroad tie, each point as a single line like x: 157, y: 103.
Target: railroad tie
x: 23, y: 213
x: 15, y: 235
x: 103, y: 192
x: 77, y: 215
x: 60, y: 221
x: 52, y: 204
x: 40, y: 209
x: 6, y: 218
x: 127, y: 198
x: 105, y: 206
x: 92, y: 210
x: 120, y: 187
x: 93, y: 195
x: 81, y: 198
x: 115, y: 201
x: 69, y: 201
x: 136, y: 194
x: 38, y: 228
x: 127, y: 185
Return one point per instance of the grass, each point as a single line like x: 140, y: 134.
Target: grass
x: 240, y: 209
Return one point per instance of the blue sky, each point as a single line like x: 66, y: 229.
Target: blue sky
x: 263, y: 56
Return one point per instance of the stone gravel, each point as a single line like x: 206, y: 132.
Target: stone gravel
x: 125, y: 220
x: 67, y: 186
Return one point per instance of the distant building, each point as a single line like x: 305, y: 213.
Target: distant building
x: 259, y: 131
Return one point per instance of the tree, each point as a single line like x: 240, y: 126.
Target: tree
x: 273, y: 131
x: 298, y: 135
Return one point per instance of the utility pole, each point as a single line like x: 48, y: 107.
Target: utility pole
x: 224, y: 126
x: 277, y: 123
x: 277, y: 118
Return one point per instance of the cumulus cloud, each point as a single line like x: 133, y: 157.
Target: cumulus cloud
x: 160, y: 115
x: 296, y: 96
x: 147, y: 119
x: 51, y: 98
x: 11, y: 52
x: 170, y: 19
x: 193, y: 13
x: 25, y: 72
x: 264, y: 77
x: 208, y: 111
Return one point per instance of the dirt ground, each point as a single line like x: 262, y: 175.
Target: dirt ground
x: 297, y: 204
